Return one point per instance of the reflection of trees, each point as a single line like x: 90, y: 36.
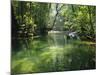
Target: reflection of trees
x: 73, y: 56
x: 57, y: 51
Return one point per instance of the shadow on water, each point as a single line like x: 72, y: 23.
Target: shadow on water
x: 50, y: 55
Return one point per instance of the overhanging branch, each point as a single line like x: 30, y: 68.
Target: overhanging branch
x: 57, y: 10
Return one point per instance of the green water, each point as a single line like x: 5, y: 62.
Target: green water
x: 50, y: 54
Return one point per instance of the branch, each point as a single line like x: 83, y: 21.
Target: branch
x: 60, y: 7
x: 57, y: 10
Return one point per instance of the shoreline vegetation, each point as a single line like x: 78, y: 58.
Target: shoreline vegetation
x: 51, y: 37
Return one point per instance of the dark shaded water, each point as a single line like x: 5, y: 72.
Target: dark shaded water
x: 52, y: 53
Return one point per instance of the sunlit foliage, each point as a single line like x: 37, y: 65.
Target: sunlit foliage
x: 49, y: 37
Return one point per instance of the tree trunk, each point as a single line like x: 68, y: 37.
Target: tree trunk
x: 90, y: 17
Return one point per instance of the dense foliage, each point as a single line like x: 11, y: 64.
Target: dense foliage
x: 31, y: 19
x: 49, y: 37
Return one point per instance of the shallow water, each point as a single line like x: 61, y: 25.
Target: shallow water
x: 51, y: 53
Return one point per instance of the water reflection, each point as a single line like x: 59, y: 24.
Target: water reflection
x: 54, y: 52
